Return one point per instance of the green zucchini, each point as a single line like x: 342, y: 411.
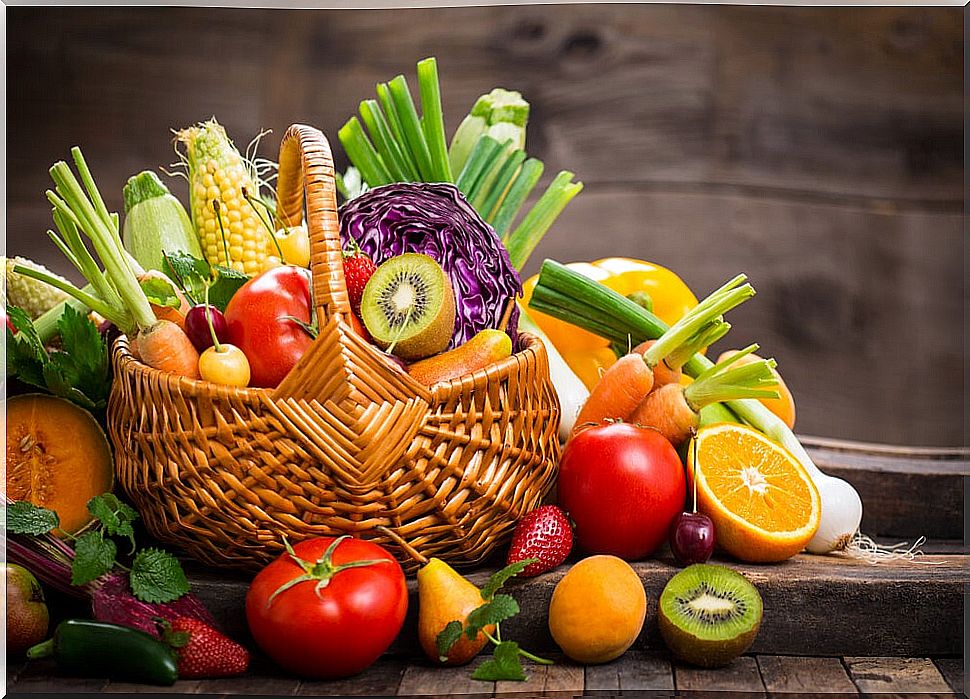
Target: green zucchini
x: 155, y: 222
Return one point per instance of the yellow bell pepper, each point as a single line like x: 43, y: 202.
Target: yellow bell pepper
x: 588, y: 355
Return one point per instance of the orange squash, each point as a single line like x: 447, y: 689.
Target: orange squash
x: 58, y: 457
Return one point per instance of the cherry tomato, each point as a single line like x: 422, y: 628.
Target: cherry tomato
x: 294, y: 243
x: 226, y: 365
x: 259, y: 321
x: 335, y: 620
x: 622, y: 485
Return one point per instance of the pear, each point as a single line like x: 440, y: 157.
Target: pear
x: 444, y: 596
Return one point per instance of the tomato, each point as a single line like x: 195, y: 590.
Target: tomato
x: 257, y: 322
x: 622, y: 486
x: 333, y: 616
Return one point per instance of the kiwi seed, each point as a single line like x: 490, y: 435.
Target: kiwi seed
x: 709, y: 614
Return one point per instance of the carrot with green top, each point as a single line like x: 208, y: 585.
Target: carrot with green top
x: 674, y: 410
x: 627, y: 382
x: 114, y: 292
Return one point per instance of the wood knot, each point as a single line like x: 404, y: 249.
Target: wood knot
x: 529, y: 31
x: 582, y: 45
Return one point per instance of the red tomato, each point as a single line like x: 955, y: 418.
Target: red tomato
x: 622, y: 485
x: 257, y: 323
x: 334, y: 630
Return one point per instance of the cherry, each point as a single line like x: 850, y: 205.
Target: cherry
x: 197, y: 326
x: 692, y: 538
x: 692, y: 533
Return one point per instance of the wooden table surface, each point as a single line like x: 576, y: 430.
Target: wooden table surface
x: 636, y: 671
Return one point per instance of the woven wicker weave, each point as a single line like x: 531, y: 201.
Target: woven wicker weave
x: 346, y: 443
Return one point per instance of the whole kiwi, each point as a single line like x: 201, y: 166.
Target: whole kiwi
x: 709, y: 614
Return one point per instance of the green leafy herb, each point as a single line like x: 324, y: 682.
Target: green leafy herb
x: 504, y: 665
x: 94, y: 556
x: 27, y: 518
x: 193, y: 275
x: 79, y: 372
x: 156, y: 576
x: 447, y: 638
x: 160, y: 292
x: 115, y: 516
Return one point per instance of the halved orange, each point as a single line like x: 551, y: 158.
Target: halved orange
x: 764, y: 504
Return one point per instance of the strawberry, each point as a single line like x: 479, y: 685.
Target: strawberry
x: 203, y: 651
x: 545, y: 534
x: 358, y: 268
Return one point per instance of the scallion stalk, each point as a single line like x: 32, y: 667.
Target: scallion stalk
x: 411, y: 127
x: 488, y: 204
x: 481, y: 158
x: 363, y: 154
x: 398, y: 166
x: 519, y: 191
x: 524, y: 239
x: 432, y: 119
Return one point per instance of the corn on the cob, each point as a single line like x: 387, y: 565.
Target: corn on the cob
x: 33, y: 296
x: 222, y: 194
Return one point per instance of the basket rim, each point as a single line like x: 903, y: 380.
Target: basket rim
x: 533, y: 349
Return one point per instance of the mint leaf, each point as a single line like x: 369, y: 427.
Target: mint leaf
x: 27, y: 518
x: 227, y: 282
x: 94, y: 557
x: 504, y: 665
x: 114, y: 515
x: 160, y: 292
x: 157, y: 576
x: 500, y: 577
x: 496, y: 610
x: 447, y: 638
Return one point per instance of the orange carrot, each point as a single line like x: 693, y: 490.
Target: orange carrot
x: 674, y: 410
x: 165, y: 346
x: 620, y: 390
x: 663, y: 373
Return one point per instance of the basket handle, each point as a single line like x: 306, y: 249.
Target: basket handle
x: 306, y: 168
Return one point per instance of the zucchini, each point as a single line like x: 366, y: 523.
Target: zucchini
x: 155, y: 222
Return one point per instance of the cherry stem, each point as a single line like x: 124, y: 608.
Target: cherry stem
x: 208, y: 321
x: 694, y: 473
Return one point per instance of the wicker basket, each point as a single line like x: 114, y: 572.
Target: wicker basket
x: 345, y: 444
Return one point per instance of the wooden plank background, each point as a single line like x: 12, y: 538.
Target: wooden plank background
x: 817, y: 149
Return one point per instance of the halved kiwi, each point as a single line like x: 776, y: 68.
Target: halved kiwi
x: 709, y: 614
x: 408, y: 306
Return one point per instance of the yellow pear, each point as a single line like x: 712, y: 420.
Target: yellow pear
x: 444, y: 596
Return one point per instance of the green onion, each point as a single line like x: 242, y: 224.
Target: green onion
x: 476, y: 167
x: 432, y: 120
x: 362, y: 154
x: 488, y: 203
x: 411, y: 126
x: 398, y: 166
x: 387, y: 104
x: 724, y: 382
x: 523, y: 240
x: 521, y: 187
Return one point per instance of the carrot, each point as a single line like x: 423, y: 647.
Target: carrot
x: 663, y: 373
x: 669, y: 369
x: 674, y: 410
x: 618, y: 393
x: 166, y: 347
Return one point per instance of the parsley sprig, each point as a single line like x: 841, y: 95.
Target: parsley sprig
x: 79, y: 371
x: 505, y: 663
x: 154, y: 575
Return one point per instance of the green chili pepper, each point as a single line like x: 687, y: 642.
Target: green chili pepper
x: 98, y: 649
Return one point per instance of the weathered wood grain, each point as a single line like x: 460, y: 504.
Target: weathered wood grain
x: 380, y: 679
x: 739, y: 679
x: 801, y: 675
x: 953, y: 671
x: 896, y: 675
x: 423, y: 679
x: 42, y: 677
x: 888, y: 479
x: 565, y: 678
x: 633, y: 673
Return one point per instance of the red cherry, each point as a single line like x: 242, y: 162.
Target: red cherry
x: 692, y: 538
